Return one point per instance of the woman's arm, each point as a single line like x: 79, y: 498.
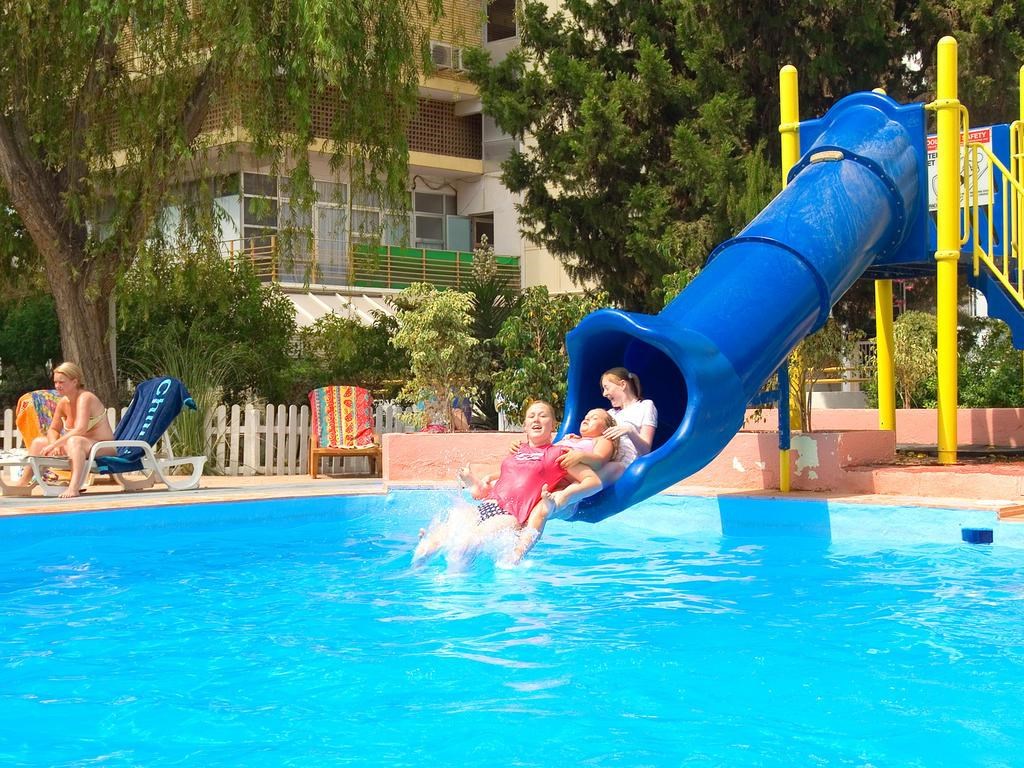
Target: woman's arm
x: 59, y: 414
x: 82, y: 409
x: 646, y: 439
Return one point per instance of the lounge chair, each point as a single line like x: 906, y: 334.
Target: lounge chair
x: 342, y: 426
x: 155, y: 405
x: 32, y: 415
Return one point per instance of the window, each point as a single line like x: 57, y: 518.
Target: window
x: 501, y: 20
x: 429, y: 212
x: 259, y: 208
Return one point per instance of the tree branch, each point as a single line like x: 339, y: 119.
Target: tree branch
x: 102, y: 66
x: 35, y: 193
x: 152, y: 184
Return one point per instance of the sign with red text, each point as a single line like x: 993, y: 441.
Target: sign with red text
x: 981, y: 136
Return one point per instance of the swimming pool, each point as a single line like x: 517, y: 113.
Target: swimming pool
x: 695, y: 632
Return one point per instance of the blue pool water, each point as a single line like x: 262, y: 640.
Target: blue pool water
x: 685, y: 632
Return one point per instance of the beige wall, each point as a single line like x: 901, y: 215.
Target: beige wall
x: 541, y: 268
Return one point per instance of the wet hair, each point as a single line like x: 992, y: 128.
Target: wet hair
x: 71, y: 371
x: 609, y: 420
x: 624, y: 374
x: 551, y: 408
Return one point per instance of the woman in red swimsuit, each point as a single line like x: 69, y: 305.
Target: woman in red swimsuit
x: 516, y: 499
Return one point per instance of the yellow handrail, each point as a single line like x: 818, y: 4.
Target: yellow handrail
x: 1009, y: 269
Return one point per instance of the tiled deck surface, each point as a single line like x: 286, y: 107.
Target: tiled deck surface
x: 919, y: 482
x: 108, y: 495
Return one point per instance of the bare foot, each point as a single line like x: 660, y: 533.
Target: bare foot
x: 69, y: 494
x: 550, y: 499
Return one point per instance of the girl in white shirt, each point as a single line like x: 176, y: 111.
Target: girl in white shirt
x: 635, y: 418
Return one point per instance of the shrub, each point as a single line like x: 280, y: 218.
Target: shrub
x: 216, y: 304
x: 29, y: 338
x: 533, y: 340
x: 336, y: 350
x: 435, y: 329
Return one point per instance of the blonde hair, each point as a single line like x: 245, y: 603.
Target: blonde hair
x: 609, y: 422
x: 550, y: 407
x: 71, y: 371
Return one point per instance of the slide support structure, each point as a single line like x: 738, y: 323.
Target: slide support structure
x: 789, y: 128
x: 884, y: 355
x: 947, y: 253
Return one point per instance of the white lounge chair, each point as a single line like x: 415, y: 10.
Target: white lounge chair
x: 155, y: 405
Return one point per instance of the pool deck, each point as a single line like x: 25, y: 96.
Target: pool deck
x: 971, y: 483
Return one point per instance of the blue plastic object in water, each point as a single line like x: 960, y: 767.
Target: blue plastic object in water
x: 977, y: 535
x: 855, y: 196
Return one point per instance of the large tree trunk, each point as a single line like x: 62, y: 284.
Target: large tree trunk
x: 81, y: 283
x: 85, y: 330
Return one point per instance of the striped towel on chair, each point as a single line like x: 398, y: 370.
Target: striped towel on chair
x: 342, y: 417
x: 34, y: 413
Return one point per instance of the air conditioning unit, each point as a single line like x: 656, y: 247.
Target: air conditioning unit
x: 441, y: 55
x: 457, y: 60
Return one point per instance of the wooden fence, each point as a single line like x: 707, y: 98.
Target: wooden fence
x: 270, y: 440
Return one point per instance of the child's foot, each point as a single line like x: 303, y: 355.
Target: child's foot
x: 550, y: 499
x: 555, y: 501
x: 69, y: 494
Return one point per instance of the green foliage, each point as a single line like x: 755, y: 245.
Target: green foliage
x: 336, y: 350
x: 435, y: 329
x: 633, y: 159
x: 991, y: 371
x: 533, y: 338
x: 204, y: 369
x: 914, y: 357
x: 818, y: 357
x: 648, y: 128
x: 21, y: 270
x: 216, y: 305
x: 105, y: 106
x: 29, y: 338
x: 673, y: 283
x: 492, y: 301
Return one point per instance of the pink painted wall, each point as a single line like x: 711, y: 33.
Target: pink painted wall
x: 420, y: 458
x: 819, y: 461
x: 1003, y: 427
x: 851, y: 462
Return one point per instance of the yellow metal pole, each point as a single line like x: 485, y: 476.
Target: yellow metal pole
x: 886, y: 376
x: 947, y: 253
x: 884, y: 355
x: 789, y: 128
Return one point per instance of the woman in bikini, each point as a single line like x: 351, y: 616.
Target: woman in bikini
x: 79, y: 422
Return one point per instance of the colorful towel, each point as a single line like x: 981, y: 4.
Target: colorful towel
x: 342, y: 417
x: 34, y: 413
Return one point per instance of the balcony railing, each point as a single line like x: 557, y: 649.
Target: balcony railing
x: 384, y: 266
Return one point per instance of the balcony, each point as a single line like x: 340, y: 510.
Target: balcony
x: 330, y: 263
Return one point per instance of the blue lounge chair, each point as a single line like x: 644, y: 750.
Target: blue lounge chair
x: 156, y: 403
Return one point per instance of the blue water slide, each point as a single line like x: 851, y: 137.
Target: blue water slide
x: 857, y: 195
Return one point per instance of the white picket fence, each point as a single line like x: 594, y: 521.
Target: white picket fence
x: 270, y: 440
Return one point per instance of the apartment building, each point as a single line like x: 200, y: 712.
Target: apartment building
x: 456, y: 198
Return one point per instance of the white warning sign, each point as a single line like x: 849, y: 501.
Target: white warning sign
x: 975, y: 136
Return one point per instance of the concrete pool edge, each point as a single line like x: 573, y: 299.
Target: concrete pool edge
x: 254, y: 488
